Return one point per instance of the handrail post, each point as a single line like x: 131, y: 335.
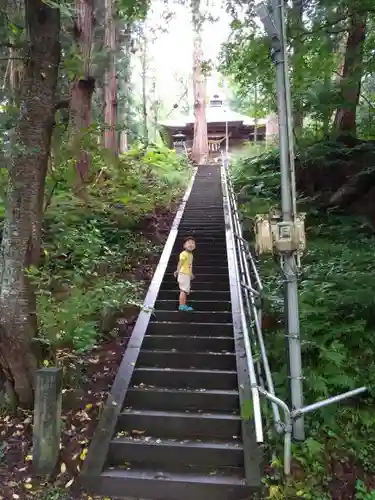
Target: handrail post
x: 287, y: 428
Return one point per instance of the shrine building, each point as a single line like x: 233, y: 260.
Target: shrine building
x: 241, y: 129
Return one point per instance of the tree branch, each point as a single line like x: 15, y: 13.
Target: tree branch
x: 327, y: 24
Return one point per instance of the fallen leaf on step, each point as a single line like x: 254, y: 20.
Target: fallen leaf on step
x: 139, y: 433
x: 69, y: 483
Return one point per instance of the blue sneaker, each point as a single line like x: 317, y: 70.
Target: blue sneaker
x: 185, y: 308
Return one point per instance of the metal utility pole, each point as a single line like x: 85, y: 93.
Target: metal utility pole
x: 226, y: 138
x: 274, y: 24
x: 256, y: 112
x: 226, y: 126
x: 226, y: 157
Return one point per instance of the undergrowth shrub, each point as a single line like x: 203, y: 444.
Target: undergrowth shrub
x: 90, y: 250
x: 337, y: 316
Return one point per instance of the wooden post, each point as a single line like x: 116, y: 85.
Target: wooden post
x: 47, y: 420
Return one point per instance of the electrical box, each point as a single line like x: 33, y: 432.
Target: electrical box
x: 272, y: 235
x: 284, y: 237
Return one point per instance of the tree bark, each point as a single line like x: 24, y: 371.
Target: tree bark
x: 144, y: 89
x: 125, y: 88
x: 350, y: 85
x: 20, y: 247
x: 340, y: 53
x: 110, y: 91
x: 297, y: 64
x: 200, y: 141
x: 82, y: 90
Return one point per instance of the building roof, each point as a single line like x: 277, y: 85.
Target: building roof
x: 216, y: 112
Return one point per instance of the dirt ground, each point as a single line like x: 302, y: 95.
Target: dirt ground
x: 95, y: 373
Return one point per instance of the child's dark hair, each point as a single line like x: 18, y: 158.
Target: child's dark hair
x: 189, y: 238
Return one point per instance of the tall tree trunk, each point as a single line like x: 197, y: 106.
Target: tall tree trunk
x: 82, y: 89
x: 256, y: 112
x: 12, y: 64
x: 327, y: 116
x: 20, y: 247
x: 329, y: 108
x: 200, y: 141
x: 144, y: 89
x: 297, y: 60
x: 155, y: 106
x: 110, y: 91
x: 125, y: 88
x: 350, y: 85
x: 340, y: 53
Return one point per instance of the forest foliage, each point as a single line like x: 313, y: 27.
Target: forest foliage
x: 331, y: 64
x: 84, y: 194
x: 89, y: 256
x: 330, y: 45
x: 337, y: 307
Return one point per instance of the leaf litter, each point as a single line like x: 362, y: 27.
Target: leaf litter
x: 81, y: 407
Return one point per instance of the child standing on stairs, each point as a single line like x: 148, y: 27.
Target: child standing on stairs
x: 184, y: 273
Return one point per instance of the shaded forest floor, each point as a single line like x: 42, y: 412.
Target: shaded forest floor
x: 95, y: 372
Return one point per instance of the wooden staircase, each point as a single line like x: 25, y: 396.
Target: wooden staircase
x: 178, y: 434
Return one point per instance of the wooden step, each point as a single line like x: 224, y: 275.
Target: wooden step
x: 178, y: 378
x: 154, y: 452
x: 199, y: 295
x: 195, y: 400
x: 188, y: 343
x: 157, y: 484
x: 197, y: 305
x: 193, y: 316
x: 199, y: 284
x: 186, y: 359
x: 181, y: 425
x: 187, y: 328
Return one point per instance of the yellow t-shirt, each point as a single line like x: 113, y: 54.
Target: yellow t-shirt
x: 186, y: 263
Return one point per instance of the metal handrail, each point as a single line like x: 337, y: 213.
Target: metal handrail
x: 250, y: 291
x: 247, y: 293
x: 245, y: 331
